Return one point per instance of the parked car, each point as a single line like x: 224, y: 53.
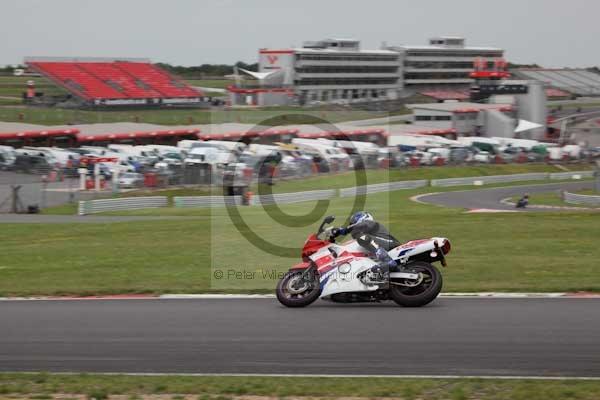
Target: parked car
x: 480, y: 156
x: 7, y: 157
x: 424, y: 157
x: 459, y: 155
x: 31, y: 163
x: 131, y: 180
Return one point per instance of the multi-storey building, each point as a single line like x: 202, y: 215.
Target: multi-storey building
x: 338, y: 70
x: 445, y: 61
x: 330, y: 70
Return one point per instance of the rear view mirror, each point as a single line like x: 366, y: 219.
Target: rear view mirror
x: 326, y: 221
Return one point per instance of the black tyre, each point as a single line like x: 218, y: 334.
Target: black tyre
x: 422, y: 294
x: 298, y: 289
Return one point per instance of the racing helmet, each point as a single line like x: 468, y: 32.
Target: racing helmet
x: 359, y: 217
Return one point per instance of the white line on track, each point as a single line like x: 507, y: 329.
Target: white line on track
x: 485, y: 377
x: 480, y: 295
x: 417, y: 198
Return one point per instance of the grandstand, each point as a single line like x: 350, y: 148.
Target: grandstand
x: 111, y: 82
x: 580, y: 82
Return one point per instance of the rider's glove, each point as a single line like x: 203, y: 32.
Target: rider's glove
x: 340, y: 231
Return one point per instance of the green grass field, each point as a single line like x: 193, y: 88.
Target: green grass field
x: 15, y: 85
x: 58, y: 116
x: 491, y: 252
x: 100, y: 387
x: 555, y: 199
x: 11, y: 111
x: 9, y: 101
x: 345, y: 180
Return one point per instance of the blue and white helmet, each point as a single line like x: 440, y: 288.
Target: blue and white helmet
x: 360, y: 216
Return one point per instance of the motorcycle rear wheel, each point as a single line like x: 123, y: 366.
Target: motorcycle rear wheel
x: 420, y: 295
x: 295, y: 290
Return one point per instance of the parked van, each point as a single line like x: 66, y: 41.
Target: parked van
x: 209, y: 155
x: 139, y: 153
x: 64, y: 157
x: 573, y: 151
x: 336, y: 158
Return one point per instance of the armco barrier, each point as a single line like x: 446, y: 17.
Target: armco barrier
x: 484, y: 180
x: 573, y: 175
x: 382, y: 187
x: 206, y: 201
x: 288, y: 198
x: 128, y: 203
x: 583, y: 199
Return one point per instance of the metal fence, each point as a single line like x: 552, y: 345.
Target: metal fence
x: 288, y: 198
x: 128, y: 203
x: 382, y: 187
x: 206, y: 201
x: 572, y: 175
x: 132, y: 203
x: 583, y: 199
x: 484, y: 180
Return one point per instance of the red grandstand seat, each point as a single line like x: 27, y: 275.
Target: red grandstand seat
x: 114, y: 80
x: 112, y: 75
x: 158, y: 79
x: 75, y: 78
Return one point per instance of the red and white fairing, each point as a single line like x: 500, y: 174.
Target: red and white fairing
x: 339, y: 265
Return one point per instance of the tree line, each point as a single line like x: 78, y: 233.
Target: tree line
x: 207, y: 70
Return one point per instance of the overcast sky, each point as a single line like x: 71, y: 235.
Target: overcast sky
x: 553, y: 33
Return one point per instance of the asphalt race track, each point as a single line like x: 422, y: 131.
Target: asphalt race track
x: 453, y: 336
x: 491, y: 198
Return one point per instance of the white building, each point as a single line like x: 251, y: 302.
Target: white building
x: 330, y: 70
x: 445, y: 61
x: 467, y: 119
x: 338, y: 70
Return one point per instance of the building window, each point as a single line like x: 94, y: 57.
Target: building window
x: 454, y: 53
x: 437, y: 75
x: 347, y: 81
x: 357, y: 57
x: 357, y: 69
x: 440, y: 64
x: 423, y: 117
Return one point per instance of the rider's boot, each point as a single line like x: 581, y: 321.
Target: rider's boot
x: 380, y: 273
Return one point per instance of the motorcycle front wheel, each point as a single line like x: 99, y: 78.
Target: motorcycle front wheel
x: 422, y: 294
x: 298, y: 288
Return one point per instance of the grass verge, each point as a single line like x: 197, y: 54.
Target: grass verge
x: 240, y: 387
x: 555, y: 199
x: 59, y: 116
x: 530, y: 252
x: 345, y: 180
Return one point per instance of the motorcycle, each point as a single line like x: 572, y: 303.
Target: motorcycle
x: 341, y: 273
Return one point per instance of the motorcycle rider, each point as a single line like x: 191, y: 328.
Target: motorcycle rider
x: 375, y: 238
x: 523, y: 201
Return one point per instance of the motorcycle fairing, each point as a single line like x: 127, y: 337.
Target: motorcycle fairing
x: 415, y: 247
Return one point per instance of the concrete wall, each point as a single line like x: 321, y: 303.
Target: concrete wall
x: 498, y: 124
x: 532, y: 107
x: 274, y: 99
